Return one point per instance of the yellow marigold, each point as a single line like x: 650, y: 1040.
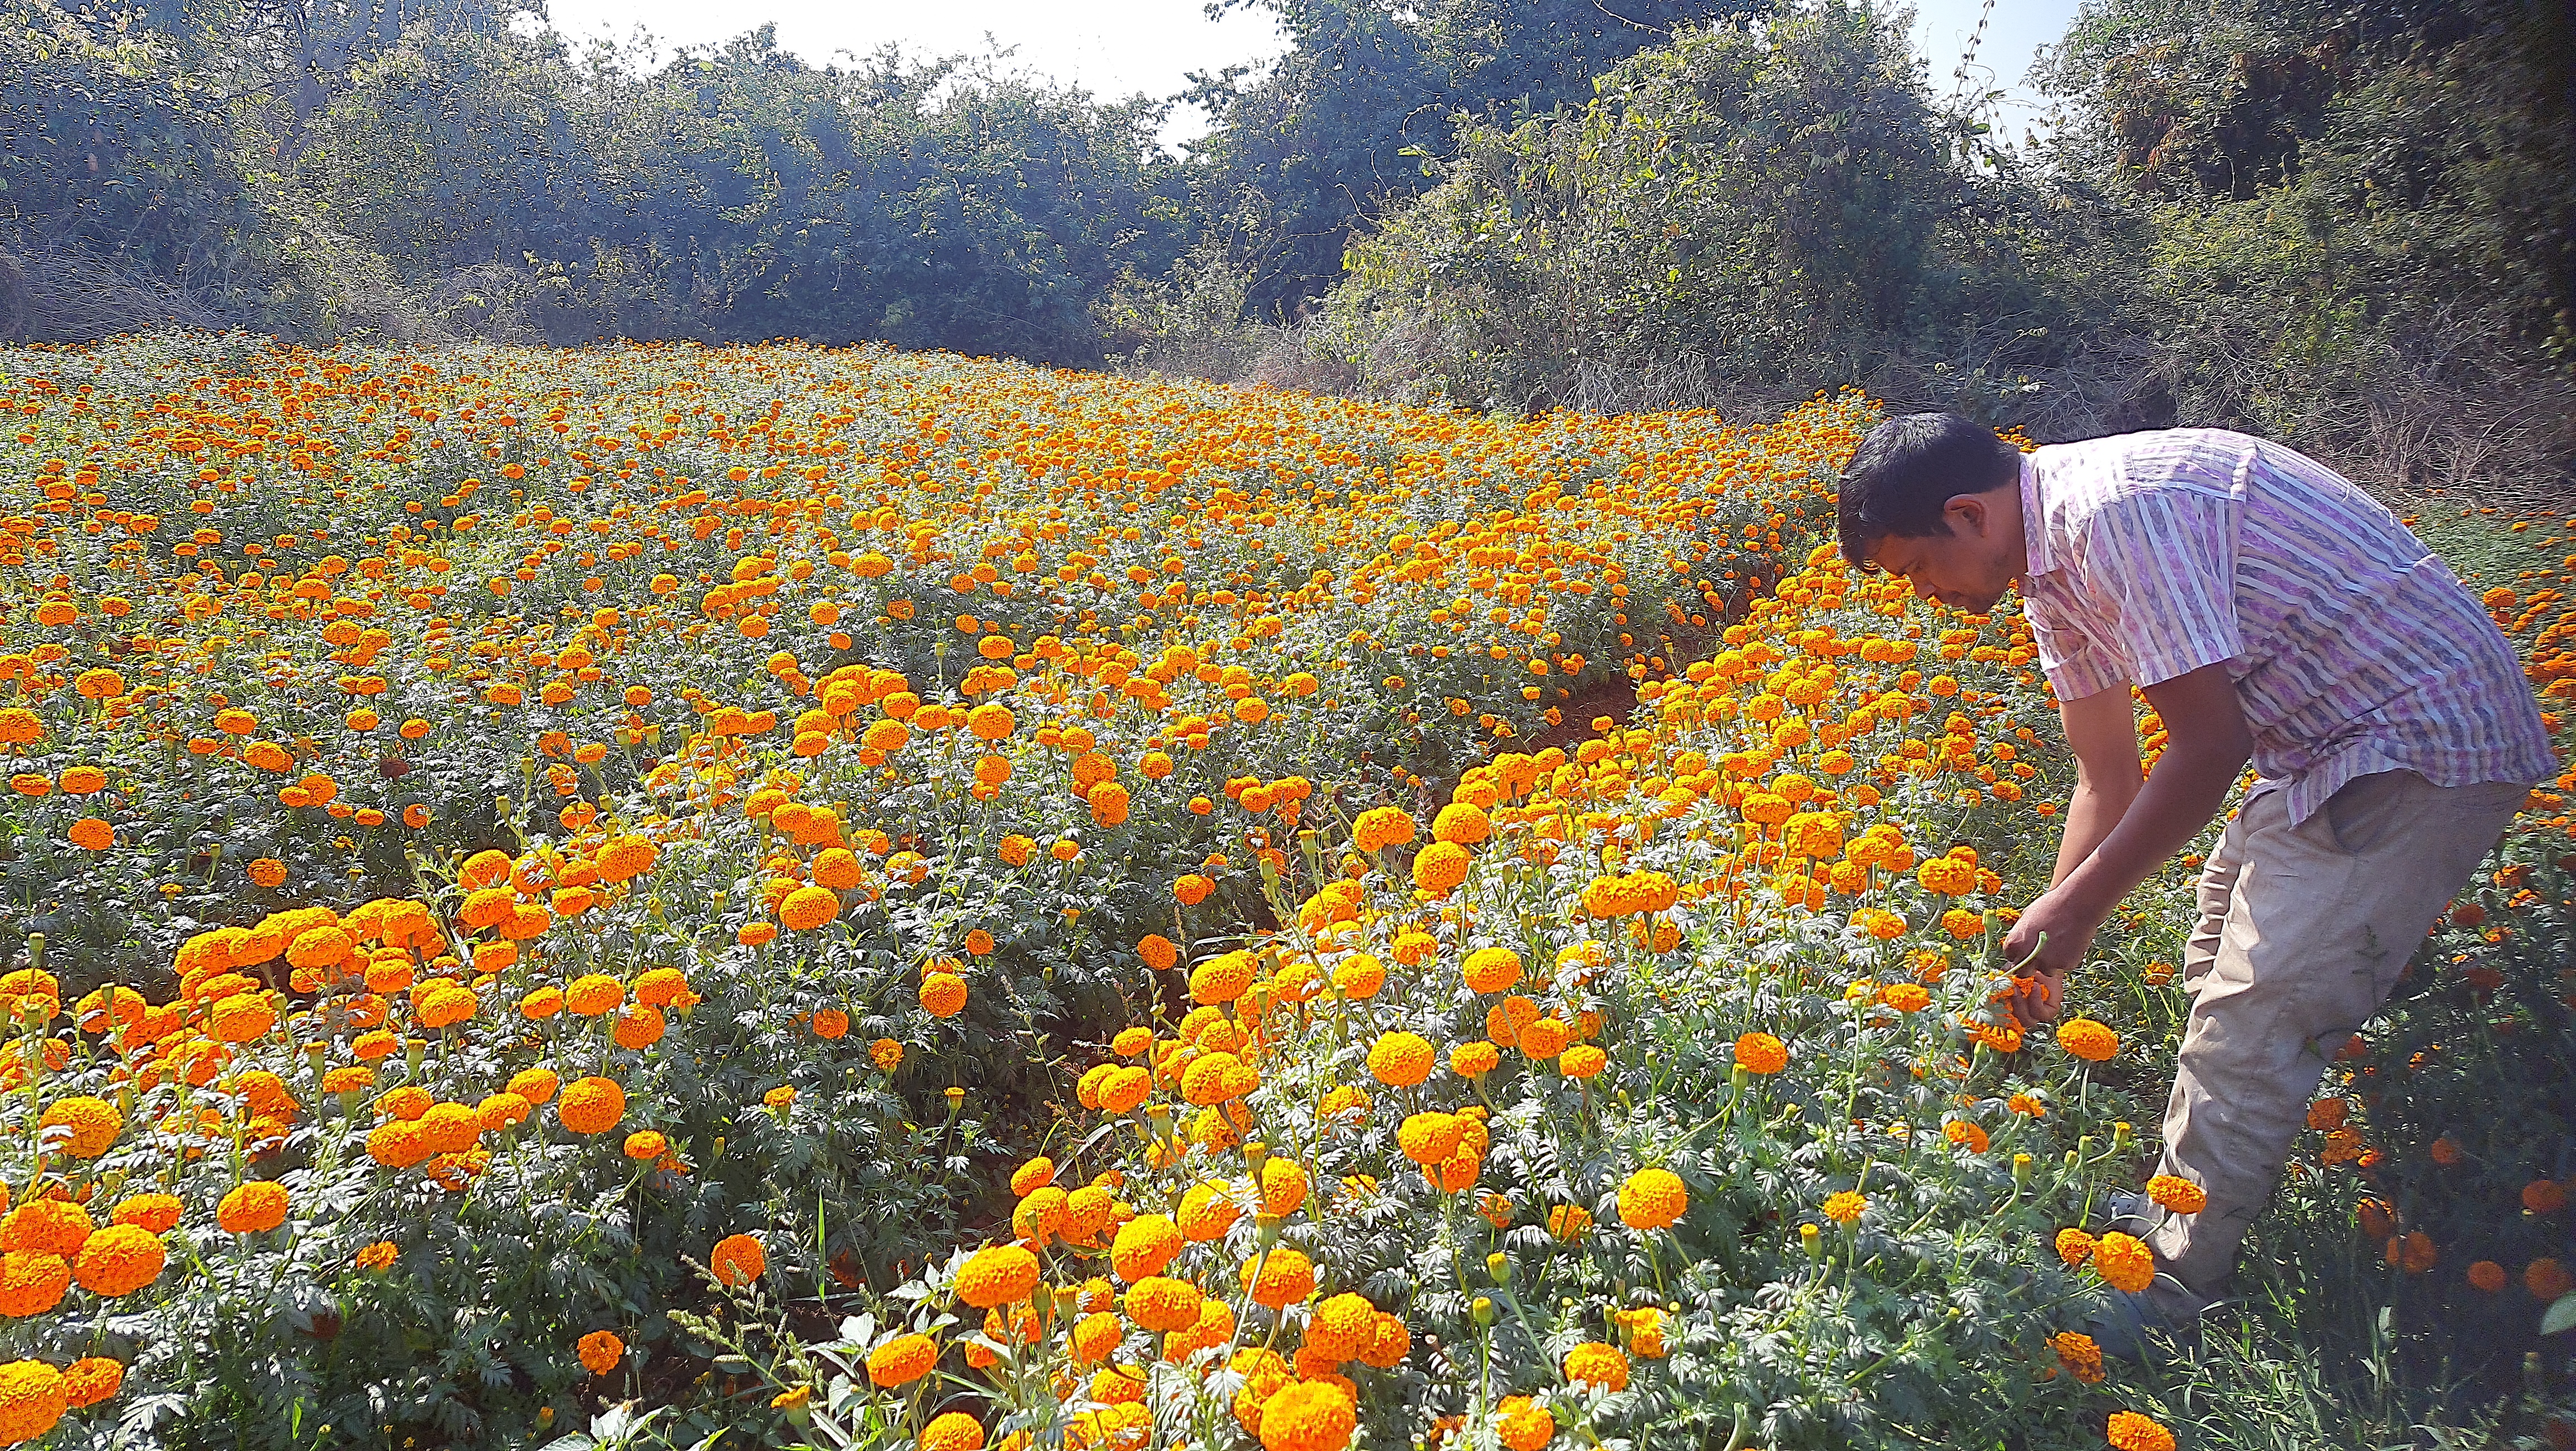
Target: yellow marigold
x: 1492, y: 969
x: 2129, y: 1431
x: 1159, y: 1303
x: 953, y: 1431
x: 991, y: 722
x: 119, y: 1260
x: 1845, y: 1206
x: 995, y: 1275
x: 1308, y: 1416
x: 1475, y: 1060
x: 1143, y: 1246
x: 2177, y: 1194
x: 1583, y: 1060
x: 1401, y: 1060
x: 1948, y: 876
x: 92, y: 1379
x: 32, y: 1399
x: 1593, y: 1363
x: 902, y: 1360
x: 1207, y: 1211
x: 242, y: 1017
x: 1221, y: 979
x: 1440, y: 867
x: 1568, y: 1221
x: 1652, y: 1199
x: 943, y: 994
x: 1761, y: 1053
x: 90, y: 1125
x: 590, y: 1105
x: 2074, y: 1246
x: 378, y: 1256
x: 1279, y: 1278
x: 807, y: 908
x: 252, y: 1208
x: 600, y: 1351
x: 537, y: 1085
x: 2087, y: 1039
x: 1524, y: 1424
x: 1341, y: 1327
x: 2124, y: 1262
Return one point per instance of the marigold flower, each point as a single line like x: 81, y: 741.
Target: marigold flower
x: 942, y: 994
x: 902, y: 1360
x: 2547, y: 1279
x: 155, y: 1213
x: 1492, y: 969
x: 1278, y: 1278
x: 737, y: 1260
x: 90, y: 1125
x: 1845, y: 1206
x: 1761, y: 1053
x: 1475, y: 1059
x: 591, y: 1105
x: 1593, y: 1363
x: 997, y: 1275
x: 2488, y: 1276
x: 953, y: 1431
x: 1652, y: 1199
x: 1308, y: 1416
x: 2077, y: 1352
x: 1144, y: 1246
x: 2086, y: 1039
x: 1401, y: 1060
x: 33, y: 1396
x: 253, y: 1207
x: 92, y: 1379
x: 1221, y: 979
x: 1159, y: 1303
x: 1440, y: 867
x: 2129, y: 1431
x: 119, y: 1260
x: 2177, y: 1194
x: 886, y: 1054
x: 600, y: 1351
x: 32, y: 1283
x: 1524, y: 1424
x: 2124, y: 1262
x: 1158, y: 951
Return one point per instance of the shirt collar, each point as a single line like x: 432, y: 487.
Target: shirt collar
x: 2034, y: 525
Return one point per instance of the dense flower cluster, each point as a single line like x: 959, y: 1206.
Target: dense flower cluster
x: 569, y: 808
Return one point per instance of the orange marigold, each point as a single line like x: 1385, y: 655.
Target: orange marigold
x: 996, y: 1275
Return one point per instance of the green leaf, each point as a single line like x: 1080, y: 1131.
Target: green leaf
x: 2561, y: 1316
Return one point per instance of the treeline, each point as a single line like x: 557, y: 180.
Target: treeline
x: 2347, y: 224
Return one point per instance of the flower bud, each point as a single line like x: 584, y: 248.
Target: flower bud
x: 1812, y: 1238
x: 1499, y: 1265
x: 2021, y: 1169
x: 1482, y: 1309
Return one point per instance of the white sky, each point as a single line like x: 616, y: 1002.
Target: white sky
x: 1116, y: 48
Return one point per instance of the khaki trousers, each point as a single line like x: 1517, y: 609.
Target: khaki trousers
x: 2303, y: 932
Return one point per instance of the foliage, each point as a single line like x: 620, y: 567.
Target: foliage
x: 1778, y: 202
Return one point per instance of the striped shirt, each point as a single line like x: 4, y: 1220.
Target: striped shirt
x: 2354, y: 649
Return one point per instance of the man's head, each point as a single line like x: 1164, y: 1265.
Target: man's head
x: 1936, y: 498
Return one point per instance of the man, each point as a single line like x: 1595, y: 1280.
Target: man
x: 2268, y: 609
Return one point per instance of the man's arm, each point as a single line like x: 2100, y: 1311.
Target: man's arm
x: 2103, y: 733
x: 2206, y: 748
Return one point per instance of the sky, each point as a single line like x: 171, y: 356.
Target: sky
x: 1116, y: 48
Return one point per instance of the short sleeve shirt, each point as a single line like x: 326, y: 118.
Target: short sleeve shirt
x: 2354, y: 649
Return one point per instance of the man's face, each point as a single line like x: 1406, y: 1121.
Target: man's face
x: 1970, y: 567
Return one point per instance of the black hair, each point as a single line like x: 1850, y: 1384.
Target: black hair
x: 1905, y: 473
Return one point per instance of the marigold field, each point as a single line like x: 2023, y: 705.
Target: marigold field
x: 662, y: 896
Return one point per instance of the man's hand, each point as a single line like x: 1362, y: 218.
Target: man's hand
x: 2048, y: 941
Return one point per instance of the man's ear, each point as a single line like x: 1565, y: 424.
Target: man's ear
x: 1968, y: 515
